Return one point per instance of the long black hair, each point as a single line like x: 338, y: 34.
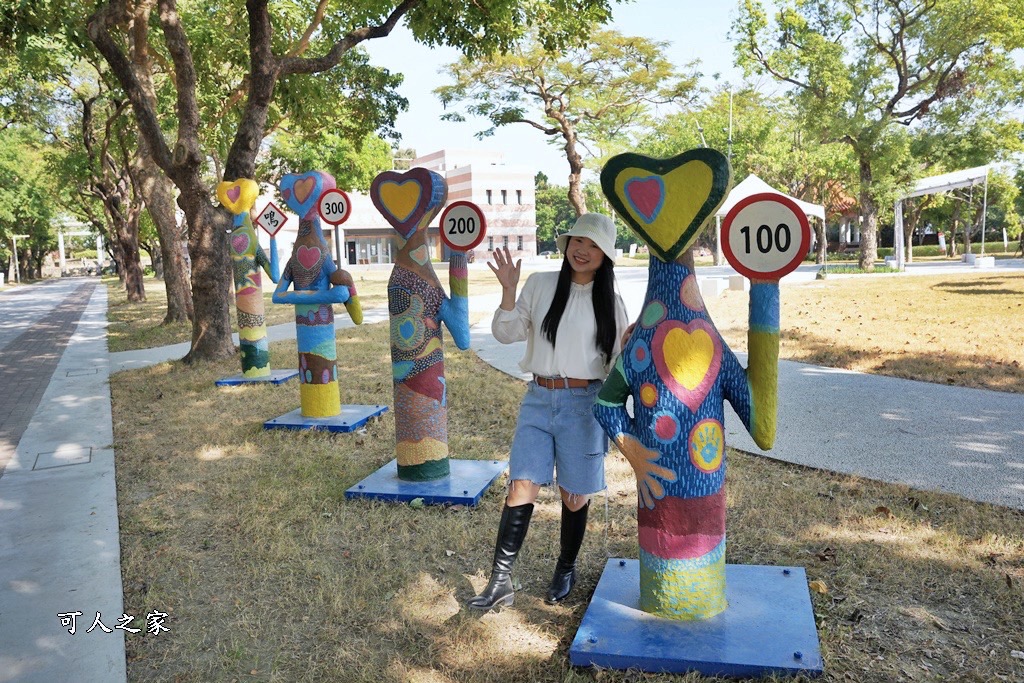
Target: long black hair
x: 603, y: 296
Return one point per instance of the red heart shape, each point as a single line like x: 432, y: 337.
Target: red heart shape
x: 234, y: 193
x: 308, y: 256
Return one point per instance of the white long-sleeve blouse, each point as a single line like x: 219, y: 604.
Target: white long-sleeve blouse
x: 575, y: 353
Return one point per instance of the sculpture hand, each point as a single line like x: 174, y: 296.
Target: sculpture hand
x: 642, y: 459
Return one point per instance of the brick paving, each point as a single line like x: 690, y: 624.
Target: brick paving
x: 28, y: 362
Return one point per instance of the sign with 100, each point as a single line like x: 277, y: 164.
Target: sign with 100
x: 765, y: 236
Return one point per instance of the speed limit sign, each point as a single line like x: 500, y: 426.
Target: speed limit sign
x: 462, y: 225
x: 765, y: 236
x: 334, y: 206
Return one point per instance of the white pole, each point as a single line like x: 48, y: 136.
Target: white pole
x: 17, y: 274
x: 897, y: 236
x: 984, y: 210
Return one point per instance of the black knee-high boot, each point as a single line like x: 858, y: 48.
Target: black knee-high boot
x: 574, y: 526
x: 511, y: 532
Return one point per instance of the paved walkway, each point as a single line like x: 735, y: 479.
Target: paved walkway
x: 59, y: 548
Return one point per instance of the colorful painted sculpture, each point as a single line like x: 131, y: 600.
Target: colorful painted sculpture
x: 319, y: 284
x: 247, y: 258
x: 418, y: 305
x: 679, y: 372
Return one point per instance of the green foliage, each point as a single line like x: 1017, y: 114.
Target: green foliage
x: 598, y: 95
x: 26, y: 194
x: 353, y: 166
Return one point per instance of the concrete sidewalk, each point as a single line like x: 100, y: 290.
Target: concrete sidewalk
x: 59, y: 547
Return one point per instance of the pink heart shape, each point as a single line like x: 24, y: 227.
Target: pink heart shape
x: 308, y: 256
x: 234, y: 193
x: 646, y: 195
x: 240, y: 243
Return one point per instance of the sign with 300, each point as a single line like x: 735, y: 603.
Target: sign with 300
x: 271, y: 219
x: 765, y: 236
x: 462, y: 225
x: 334, y: 207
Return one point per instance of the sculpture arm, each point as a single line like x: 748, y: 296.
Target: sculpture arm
x: 610, y: 406
x: 454, y: 311
x: 757, y: 402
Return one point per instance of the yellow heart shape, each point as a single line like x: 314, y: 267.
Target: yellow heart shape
x: 688, y: 356
x: 238, y: 196
x: 687, y: 188
x: 401, y: 199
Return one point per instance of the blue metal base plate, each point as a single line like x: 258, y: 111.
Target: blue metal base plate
x: 466, y: 484
x: 767, y: 629
x: 275, y: 377
x: 351, y: 418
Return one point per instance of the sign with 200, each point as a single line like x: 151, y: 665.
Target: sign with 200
x: 462, y: 225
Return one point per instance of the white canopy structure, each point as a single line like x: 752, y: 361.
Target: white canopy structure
x: 752, y: 185
x: 967, y: 177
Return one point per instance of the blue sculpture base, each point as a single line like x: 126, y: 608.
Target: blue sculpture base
x: 351, y: 418
x: 465, y: 485
x: 275, y: 377
x: 767, y: 629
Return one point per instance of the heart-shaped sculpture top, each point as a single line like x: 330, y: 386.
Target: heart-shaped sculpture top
x: 667, y: 202
x: 409, y: 200
x: 302, y: 191
x: 238, y: 196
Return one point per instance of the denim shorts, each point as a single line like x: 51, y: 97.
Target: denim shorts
x: 557, y: 433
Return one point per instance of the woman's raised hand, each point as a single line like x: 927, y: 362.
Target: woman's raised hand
x: 504, y: 270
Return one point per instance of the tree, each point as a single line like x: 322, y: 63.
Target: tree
x: 353, y: 166
x: 270, y: 60
x: 596, y: 94
x: 860, y: 67
x: 46, y: 43
x: 26, y: 192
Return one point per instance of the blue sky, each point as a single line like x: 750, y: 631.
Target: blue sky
x: 695, y: 30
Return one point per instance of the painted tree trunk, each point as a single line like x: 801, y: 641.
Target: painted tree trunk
x: 417, y: 305
x: 679, y: 372
x: 317, y: 287
x: 247, y: 258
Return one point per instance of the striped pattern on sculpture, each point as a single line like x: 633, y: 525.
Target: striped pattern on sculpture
x: 417, y: 305
x: 247, y: 258
x: 679, y: 371
x: 314, y: 275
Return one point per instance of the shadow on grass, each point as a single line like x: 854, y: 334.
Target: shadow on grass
x: 975, y: 286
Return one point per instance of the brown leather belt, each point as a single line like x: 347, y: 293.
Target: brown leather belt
x: 562, y: 382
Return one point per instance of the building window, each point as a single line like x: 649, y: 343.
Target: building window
x: 504, y: 241
x: 490, y: 241
x: 489, y: 197
x: 504, y: 196
x: 519, y: 242
x: 519, y: 197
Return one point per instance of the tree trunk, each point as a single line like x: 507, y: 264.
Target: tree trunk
x: 126, y: 233
x: 576, y: 198
x: 869, y: 229
x: 157, y: 192
x: 156, y: 188
x: 211, y: 273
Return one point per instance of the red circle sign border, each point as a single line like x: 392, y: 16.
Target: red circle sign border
x: 805, y: 233
x: 483, y: 225
x: 348, y: 205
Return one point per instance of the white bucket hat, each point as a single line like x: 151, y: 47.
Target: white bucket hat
x: 597, y: 227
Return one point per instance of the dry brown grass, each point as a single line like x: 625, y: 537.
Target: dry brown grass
x: 245, y: 538
x: 964, y: 329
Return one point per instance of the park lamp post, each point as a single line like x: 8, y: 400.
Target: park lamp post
x: 14, y: 242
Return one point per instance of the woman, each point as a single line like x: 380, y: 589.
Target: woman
x: 572, y: 322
